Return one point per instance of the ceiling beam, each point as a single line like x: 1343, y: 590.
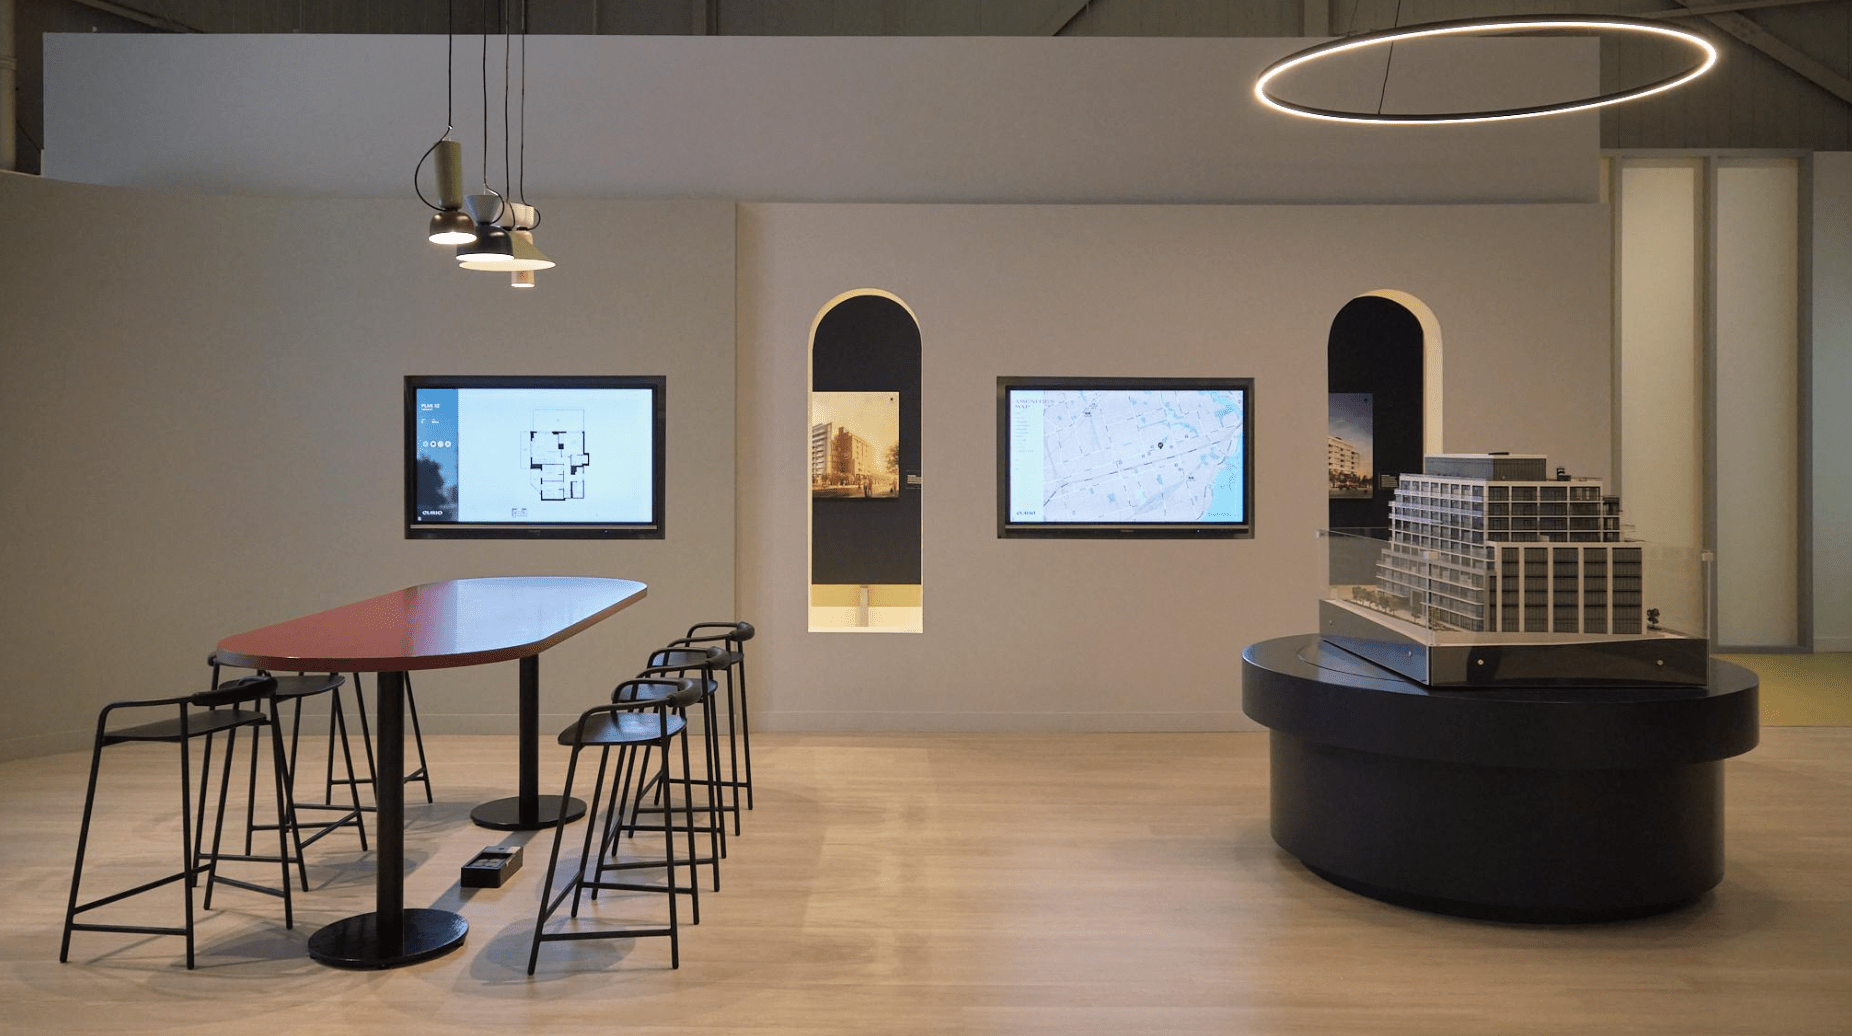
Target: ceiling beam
x: 1057, y: 23
x: 1316, y: 18
x: 1781, y: 50
x: 157, y: 21
x: 1739, y: 5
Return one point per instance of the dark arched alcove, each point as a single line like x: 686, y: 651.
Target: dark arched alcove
x: 1376, y: 347
x: 870, y: 343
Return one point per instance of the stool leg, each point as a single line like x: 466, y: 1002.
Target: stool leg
x: 592, y: 827
x: 716, y: 799
x: 547, y: 903
x: 423, y: 773
x: 284, y: 805
x: 83, y: 842
x: 668, y: 841
x: 337, y: 718
x: 187, y: 857
x: 218, y: 823
x: 745, y: 721
x: 366, y: 734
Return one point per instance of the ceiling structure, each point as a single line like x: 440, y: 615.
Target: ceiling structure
x: 1785, y: 81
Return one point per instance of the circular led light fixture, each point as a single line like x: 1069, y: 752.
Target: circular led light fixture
x: 1705, y: 56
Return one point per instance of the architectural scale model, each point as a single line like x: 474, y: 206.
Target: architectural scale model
x: 556, y: 455
x: 1490, y: 544
x: 1496, y: 573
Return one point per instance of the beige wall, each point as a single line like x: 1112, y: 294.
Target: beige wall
x: 200, y: 423
x: 206, y: 440
x: 1124, y: 635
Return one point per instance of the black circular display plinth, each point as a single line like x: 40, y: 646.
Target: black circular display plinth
x: 354, y: 942
x: 505, y: 814
x: 1531, y: 804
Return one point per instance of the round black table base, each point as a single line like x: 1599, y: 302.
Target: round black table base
x: 353, y: 942
x: 1539, y: 804
x: 1497, y: 911
x: 505, y: 814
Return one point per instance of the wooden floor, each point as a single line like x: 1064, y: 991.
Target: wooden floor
x: 939, y: 884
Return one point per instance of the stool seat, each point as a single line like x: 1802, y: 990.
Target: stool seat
x: 622, y: 728
x: 663, y: 690
x: 170, y: 730
x: 692, y: 657
x: 302, y: 685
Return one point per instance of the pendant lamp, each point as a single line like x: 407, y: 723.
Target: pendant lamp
x: 489, y: 241
x: 522, y: 254
x: 448, y: 224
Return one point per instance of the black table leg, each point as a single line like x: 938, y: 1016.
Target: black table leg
x: 391, y: 935
x: 528, y: 810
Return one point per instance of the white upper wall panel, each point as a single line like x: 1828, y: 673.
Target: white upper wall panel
x: 893, y: 119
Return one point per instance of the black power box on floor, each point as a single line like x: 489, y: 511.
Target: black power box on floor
x: 491, y: 867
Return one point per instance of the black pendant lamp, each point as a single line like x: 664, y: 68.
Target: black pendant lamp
x: 448, y: 224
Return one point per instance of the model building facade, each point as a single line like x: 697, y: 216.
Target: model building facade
x: 1488, y: 543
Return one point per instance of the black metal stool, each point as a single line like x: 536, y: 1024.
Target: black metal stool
x: 636, y: 727
x: 224, y: 709
x: 731, y: 637
x: 295, y: 690
x: 699, y: 664
x: 421, y: 774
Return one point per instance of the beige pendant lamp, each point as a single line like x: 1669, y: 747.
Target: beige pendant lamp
x: 448, y: 225
x: 491, y: 231
x: 504, y: 228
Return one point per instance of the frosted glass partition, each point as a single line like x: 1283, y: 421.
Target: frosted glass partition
x: 1758, y: 403
x: 1661, y: 477
x: 1709, y: 286
x: 1832, y: 365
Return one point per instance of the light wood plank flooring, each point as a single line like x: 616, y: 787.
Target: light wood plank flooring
x: 941, y: 884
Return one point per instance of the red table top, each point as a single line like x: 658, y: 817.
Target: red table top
x: 457, y: 622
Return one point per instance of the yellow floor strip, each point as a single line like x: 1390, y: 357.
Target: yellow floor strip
x: 1803, y: 690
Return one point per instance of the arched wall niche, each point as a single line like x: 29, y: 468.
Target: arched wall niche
x: 1384, y: 374
x: 864, y: 465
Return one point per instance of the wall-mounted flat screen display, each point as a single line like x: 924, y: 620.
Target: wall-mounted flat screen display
x: 1109, y: 457
x: 518, y: 457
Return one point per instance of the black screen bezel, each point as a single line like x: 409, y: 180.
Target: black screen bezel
x: 652, y: 529
x: 1007, y: 529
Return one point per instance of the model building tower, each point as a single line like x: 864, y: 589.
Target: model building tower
x: 1489, y: 543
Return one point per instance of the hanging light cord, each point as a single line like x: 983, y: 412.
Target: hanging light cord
x: 507, y: 50
x: 1389, y: 62
x: 450, y: 28
x: 521, y: 183
x: 486, y: 189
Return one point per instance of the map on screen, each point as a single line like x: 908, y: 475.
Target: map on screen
x: 1127, y: 455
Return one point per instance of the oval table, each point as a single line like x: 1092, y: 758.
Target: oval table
x: 458, y: 622
x: 1531, y: 804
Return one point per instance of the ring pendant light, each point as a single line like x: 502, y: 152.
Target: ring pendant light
x: 1704, y: 52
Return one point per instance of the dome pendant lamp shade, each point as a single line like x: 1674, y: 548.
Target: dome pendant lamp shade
x: 449, y: 225
x: 523, y: 255
x: 491, y: 242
